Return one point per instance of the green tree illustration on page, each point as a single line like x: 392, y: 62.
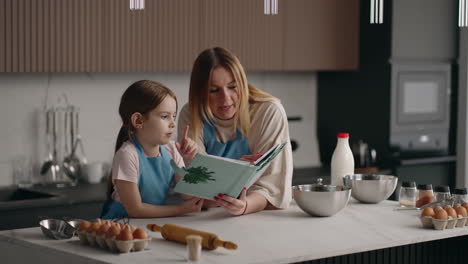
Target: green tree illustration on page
x: 197, y: 175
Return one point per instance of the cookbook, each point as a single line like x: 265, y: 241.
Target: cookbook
x: 209, y: 175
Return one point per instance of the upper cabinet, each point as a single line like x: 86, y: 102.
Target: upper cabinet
x: 105, y: 36
x: 320, y: 35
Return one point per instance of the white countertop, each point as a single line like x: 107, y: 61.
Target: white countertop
x: 279, y: 236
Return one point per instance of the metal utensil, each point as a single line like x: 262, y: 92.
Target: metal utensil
x: 71, y: 163
x: 49, y: 160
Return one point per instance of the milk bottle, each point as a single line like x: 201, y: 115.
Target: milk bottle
x: 342, y: 162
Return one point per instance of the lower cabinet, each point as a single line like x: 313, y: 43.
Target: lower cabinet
x: 29, y: 217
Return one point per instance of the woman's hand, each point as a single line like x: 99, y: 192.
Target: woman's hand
x: 233, y: 205
x: 251, y: 157
x: 187, y: 147
x: 192, y: 205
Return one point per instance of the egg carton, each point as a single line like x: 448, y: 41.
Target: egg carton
x: 438, y: 224
x: 111, y: 243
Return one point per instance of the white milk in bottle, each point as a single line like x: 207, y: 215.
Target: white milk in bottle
x: 342, y: 162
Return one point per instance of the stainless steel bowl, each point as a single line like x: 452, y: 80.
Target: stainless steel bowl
x: 371, y: 188
x: 57, y: 228
x: 321, y: 200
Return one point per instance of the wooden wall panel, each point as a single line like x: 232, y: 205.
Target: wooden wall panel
x: 2, y: 36
x: 242, y: 27
x: 51, y: 35
x: 321, y: 34
x: 160, y: 38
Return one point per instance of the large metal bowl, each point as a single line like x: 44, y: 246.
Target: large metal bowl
x: 321, y: 200
x: 371, y: 188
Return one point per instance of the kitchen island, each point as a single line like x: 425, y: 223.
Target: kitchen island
x: 279, y: 236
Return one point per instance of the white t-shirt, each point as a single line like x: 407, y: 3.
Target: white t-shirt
x: 269, y: 126
x: 125, y: 165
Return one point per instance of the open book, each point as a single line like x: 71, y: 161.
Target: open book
x: 210, y: 175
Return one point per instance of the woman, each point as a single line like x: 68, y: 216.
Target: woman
x: 233, y: 119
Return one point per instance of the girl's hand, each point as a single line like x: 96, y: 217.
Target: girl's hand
x: 187, y: 147
x: 192, y: 205
x: 233, y: 205
x: 251, y: 157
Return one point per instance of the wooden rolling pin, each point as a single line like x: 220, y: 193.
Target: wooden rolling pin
x: 179, y: 233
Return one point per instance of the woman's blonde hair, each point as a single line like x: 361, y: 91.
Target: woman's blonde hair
x: 203, y: 67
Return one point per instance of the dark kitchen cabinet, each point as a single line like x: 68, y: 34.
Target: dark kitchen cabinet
x: 105, y: 36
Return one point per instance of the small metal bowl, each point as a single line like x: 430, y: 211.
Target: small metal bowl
x: 56, y: 229
x: 371, y: 188
x: 321, y: 200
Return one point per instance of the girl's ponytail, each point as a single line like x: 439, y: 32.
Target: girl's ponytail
x: 121, y: 138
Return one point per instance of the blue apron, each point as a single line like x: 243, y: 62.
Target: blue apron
x: 233, y: 149
x: 155, y: 177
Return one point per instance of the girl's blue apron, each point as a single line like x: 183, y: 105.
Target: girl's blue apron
x: 155, y: 177
x: 233, y: 149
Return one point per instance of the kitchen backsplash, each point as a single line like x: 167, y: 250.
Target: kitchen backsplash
x: 24, y: 96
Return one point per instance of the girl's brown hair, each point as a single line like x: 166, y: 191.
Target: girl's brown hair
x: 140, y: 97
x: 200, y: 78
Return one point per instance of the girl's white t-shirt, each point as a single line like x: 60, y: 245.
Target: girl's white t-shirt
x: 125, y: 165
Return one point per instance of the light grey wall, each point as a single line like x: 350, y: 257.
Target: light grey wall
x: 23, y: 97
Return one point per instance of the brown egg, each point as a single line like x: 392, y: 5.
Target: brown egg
x: 461, y: 211
x: 103, y: 229
x: 122, y: 226
x: 465, y: 204
x: 437, y: 208
x: 84, y: 226
x: 428, y: 211
x: 446, y: 207
x: 441, y: 215
x: 451, y: 212
x: 113, y: 231
x: 125, y: 234
x: 140, y: 234
x: 94, y: 227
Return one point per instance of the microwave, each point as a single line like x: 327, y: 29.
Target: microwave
x: 420, y: 107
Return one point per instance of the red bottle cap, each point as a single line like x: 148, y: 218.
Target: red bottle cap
x: 343, y: 135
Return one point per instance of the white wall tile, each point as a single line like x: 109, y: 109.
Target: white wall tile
x: 23, y: 97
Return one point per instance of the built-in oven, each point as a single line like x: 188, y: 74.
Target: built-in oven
x: 420, y: 107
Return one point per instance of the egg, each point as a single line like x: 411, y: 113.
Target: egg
x: 428, y: 211
x: 437, y: 208
x: 125, y: 235
x: 465, y: 204
x: 103, y: 229
x: 113, y: 231
x: 446, y: 207
x: 140, y: 234
x: 441, y: 215
x: 451, y: 212
x: 461, y: 211
x: 84, y: 226
x: 94, y: 227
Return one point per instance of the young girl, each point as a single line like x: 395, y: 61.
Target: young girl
x: 141, y: 170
